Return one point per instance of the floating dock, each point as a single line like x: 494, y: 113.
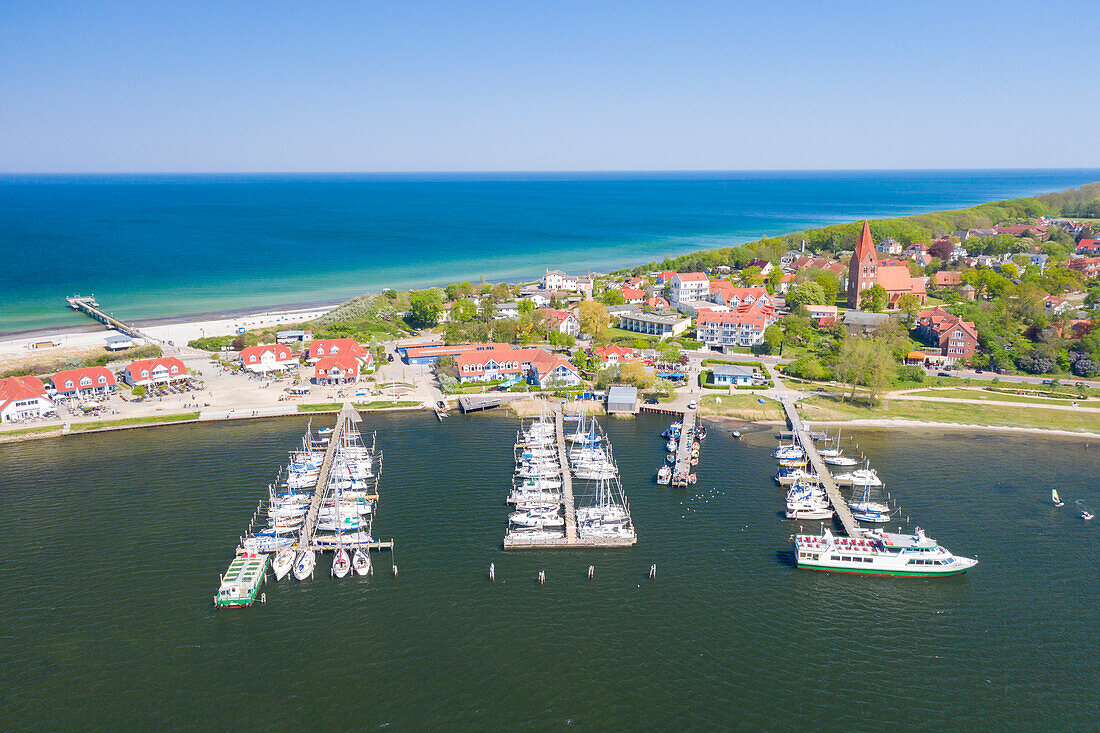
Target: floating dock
x: 476, y: 403
x: 570, y: 539
x: 806, y: 441
x: 682, y: 468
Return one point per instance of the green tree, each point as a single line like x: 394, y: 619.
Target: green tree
x: 669, y: 352
x: 501, y: 291
x: 1010, y: 270
x: 773, y: 339
x: 751, y: 276
x: 874, y: 299
x: 807, y: 293
x: 425, y: 307
x: 526, y: 306
x: 612, y: 297
x: 909, y: 304
x: 593, y: 318
x: 830, y: 287
x: 464, y: 311
x: 487, y: 309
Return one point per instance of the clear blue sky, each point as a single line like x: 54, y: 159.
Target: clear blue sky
x: 517, y: 85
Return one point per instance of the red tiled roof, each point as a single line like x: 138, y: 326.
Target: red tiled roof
x: 691, y: 276
x: 345, y: 362
x: 282, y: 353
x: 657, y: 302
x: 168, y: 362
x: 865, y: 245
x: 632, y: 293
x: 20, y: 388
x: 619, y: 352
x: 99, y: 376
x: 330, y: 347
x: 895, y: 278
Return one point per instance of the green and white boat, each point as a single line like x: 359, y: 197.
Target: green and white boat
x: 878, y: 553
x: 242, y: 580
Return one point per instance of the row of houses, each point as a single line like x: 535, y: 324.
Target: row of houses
x: 27, y: 397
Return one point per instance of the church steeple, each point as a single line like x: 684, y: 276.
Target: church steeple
x: 863, y: 268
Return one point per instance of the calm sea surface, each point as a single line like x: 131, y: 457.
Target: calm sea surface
x: 156, y: 246
x: 116, y: 541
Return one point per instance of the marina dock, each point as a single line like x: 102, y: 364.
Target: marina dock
x: 347, y: 416
x: 806, y: 441
x: 571, y: 538
x: 475, y: 403
x: 682, y: 467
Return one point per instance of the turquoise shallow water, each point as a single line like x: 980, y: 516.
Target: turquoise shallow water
x: 156, y: 246
x: 116, y: 542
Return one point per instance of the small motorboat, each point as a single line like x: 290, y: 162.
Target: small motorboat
x: 692, y: 478
x: 282, y: 563
x: 736, y: 434
x: 702, y: 433
x: 1055, y: 498
x: 671, y: 446
x: 671, y: 458
x: 341, y: 563
x: 1086, y: 515
x: 303, y: 565
x: 664, y: 475
x: 360, y: 562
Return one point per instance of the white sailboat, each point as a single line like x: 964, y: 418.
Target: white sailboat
x: 304, y: 564
x: 1057, y: 500
x: 360, y: 562
x: 282, y: 563
x: 341, y: 563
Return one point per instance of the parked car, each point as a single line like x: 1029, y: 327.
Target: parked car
x: 1047, y: 381
x: 692, y: 405
x: 389, y: 357
x: 1078, y: 384
x: 652, y: 401
x: 943, y: 374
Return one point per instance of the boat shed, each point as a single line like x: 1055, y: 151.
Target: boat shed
x: 622, y: 399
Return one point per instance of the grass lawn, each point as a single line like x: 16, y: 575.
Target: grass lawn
x: 31, y: 431
x: 148, y: 420
x: 981, y: 394
x: 819, y: 409
x: 743, y: 406
x: 374, y: 405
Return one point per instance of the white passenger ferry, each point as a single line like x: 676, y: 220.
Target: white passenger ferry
x: 878, y: 553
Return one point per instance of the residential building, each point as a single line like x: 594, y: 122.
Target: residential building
x: 1088, y: 247
x: 957, y: 339
x: 290, y: 337
x: 661, y: 325
x: 863, y: 321
x: 632, y: 295
x: 948, y: 279
x: 822, y: 312
x: 268, y: 358
x: 536, y: 366
x: 889, y: 246
x: 1055, y: 306
x: 656, y: 302
x: 342, y: 369
x: 506, y: 310
x: 23, y: 398
x: 765, y: 266
x: 558, y: 280
x: 732, y: 374
x: 118, y: 341
x: 337, y: 347
x: 146, y: 372
x: 723, y: 292
x: 560, y: 321
x: 1088, y: 265
x: 687, y: 286
x: 743, y: 327
x: 83, y: 383
x: 614, y: 354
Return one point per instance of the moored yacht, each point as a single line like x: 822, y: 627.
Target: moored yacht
x: 878, y: 553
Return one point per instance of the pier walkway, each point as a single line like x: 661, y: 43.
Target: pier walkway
x: 87, y: 304
x: 346, y: 417
x: 682, y: 467
x: 806, y: 441
x: 566, y: 480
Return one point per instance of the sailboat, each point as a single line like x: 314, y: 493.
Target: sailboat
x: 282, y: 563
x: 1055, y: 498
x: 360, y: 562
x: 341, y: 563
x: 303, y: 566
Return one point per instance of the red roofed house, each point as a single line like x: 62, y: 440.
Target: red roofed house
x: 614, y: 354
x: 956, y: 338
x: 163, y: 370
x: 23, y: 398
x: 84, y: 382
x: 950, y: 279
x: 1088, y: 247
x: 536, y: 366
x: 267, y: 358
x: 337, y: 347
x: 561, y: 321
x: 341, y: 369
x: 688, y: 286
x: 723, y: 292
x: 657, y: 302
x: 632, y: 295
x: 637, y: 282
x: 742, y: 327
x: 1088, y: 265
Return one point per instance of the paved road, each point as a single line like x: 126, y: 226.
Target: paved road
x: 1023, y: 379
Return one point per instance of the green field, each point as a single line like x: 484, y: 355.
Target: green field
x: 984, y: 395
x: 374, y: 405
x: 828, y: 409
x: 148, y: 420
x: 741, y: 406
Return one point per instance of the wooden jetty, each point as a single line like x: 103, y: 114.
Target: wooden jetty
x: 475, y: 403
x: 806, y: 441
x: 661, y: 410
x: 88, y: 304
x: 682, y: 468
x: 347, y: 416
x: 570, y: 538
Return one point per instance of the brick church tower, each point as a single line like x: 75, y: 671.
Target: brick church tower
x: 863, y: 268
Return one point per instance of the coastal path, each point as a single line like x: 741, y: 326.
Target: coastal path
x: 806, y: 440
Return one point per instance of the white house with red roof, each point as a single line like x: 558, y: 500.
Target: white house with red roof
x: 689, y: 286
x: 561, y: 321
x: 23, y: 398
x: 536, y: 366
x: 723, y: 292
x: 632, y: 295
x: 342, y: 369
x: 162, y: 370
x: 321, y: 348
x: 614, y: 354
x: 267, y: 358
x: 743, y: 327
x: 86, y: 382
x: 656, y: 302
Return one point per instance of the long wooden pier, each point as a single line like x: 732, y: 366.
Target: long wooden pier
x: 566, y: 480
x: 682, y: 468
x: 87, y: 304
x: 344, y: 418
x: 806, y: 441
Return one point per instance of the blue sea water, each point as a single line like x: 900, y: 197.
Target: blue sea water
x: 159, y: 246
